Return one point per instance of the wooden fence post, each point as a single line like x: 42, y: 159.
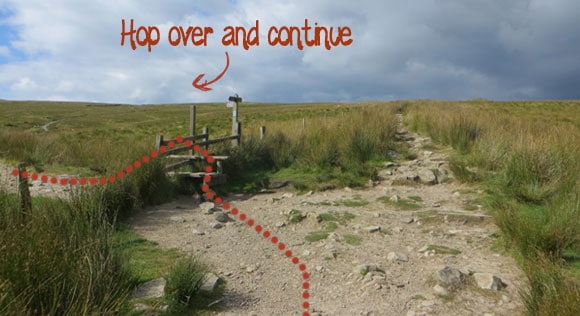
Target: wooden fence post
x: 262, y: 132
x: 239, y: 139
x: 158, y: 141
x: 25, y: 199
x: 192, y: 117
x: 205, y: 131
x: 192, y: 120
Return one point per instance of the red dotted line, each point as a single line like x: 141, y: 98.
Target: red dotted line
x: 208, y: 193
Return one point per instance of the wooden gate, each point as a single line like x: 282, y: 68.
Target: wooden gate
x: 181, y: 156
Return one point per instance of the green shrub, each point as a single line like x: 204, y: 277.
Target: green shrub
x: 183, y: 284
x: 283, y: 150
x: 253, y: 154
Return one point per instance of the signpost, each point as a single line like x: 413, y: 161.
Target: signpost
x: 236, y: 128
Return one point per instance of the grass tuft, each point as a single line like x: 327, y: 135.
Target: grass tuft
x: 183, y: 284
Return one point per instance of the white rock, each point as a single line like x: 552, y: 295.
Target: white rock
x: 397, y: 256
x: 177, y: 219
x: 395, y: 198
x: 365, y: 268
x: 313, y: 218
x: 423, y: 249
x: 372, y: 229
x: 196, y: 232
x: 439, y: 290
x: 335, y: 237
x: 427, y: 176
x: 488, y: 281
x: 428, y: 303
x: 210, y: 283
x: 151, y: 289
x: 207, y: 207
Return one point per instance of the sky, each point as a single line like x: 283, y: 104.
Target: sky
x: 70, y: 50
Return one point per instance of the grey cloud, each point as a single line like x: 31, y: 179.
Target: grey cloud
x: 447, y: 49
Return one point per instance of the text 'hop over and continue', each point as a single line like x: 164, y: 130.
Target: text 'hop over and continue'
x: 298, y: 36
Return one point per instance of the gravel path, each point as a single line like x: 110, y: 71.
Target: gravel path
x: 445, y: 226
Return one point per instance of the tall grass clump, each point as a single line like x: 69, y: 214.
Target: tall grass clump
x: 147, y: 185
x: 551, y: 292
x: 463, y: 134
x: 534, y: 175
x: 282, y: 149
x: 460, y: 128
x: 345, y: 143
x: 252, y: 155
x: 183, y: 284
x: 319, y: 149
x: 540, y: 230
x: 42, y: 150
x: 341, y: 149
x: 59, y: 260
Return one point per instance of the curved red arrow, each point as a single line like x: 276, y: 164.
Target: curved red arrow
x: 204, y: 86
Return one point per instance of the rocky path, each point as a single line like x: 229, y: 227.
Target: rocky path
x: 416, y: 242
x: 9, y: 183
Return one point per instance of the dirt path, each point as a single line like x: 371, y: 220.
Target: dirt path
x: 432, y: 225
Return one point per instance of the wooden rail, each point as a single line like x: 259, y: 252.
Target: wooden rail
x: 188, y: 160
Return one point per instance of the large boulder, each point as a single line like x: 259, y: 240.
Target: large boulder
x: 222, y: 217
x: 151, y: 289
x: 397, y: 256
x: 450, y: 276
x: 210, y: 284
x: 427, y: 176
